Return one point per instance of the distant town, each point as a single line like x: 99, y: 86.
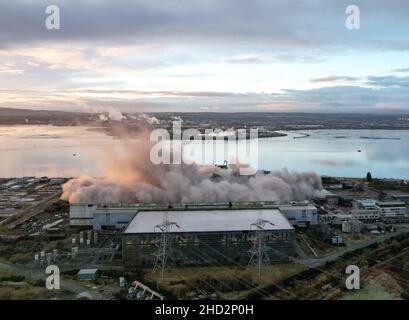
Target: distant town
x: 265, y: 121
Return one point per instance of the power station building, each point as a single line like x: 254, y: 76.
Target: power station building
x: 203, y: 233
x: 118, y: 215
x: 103, y: 216
x: 301, y: 215
x: 197, y: 237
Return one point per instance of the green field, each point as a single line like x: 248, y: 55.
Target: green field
x: 227, y: 281
x: 370, y: 291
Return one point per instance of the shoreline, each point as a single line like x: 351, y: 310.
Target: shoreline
x: 106, y: 126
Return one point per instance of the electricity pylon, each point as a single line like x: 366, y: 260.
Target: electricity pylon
x: 258, y: 253
x: 163, y: 252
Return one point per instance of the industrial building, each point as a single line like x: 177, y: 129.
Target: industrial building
x: 398, y: 195
x: 117, y: 216
x: 205, y: 233
x: 102, y: 216
x: 365, y: 209
x: 88, y: 274
x: 391, y: 209
x: 300, y: 215
x: 369, y: 209
x: 207, y: 236
x: 81, y: 214
x: 351, y: 226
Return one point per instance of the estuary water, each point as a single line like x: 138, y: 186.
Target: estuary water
x: 29, y: 150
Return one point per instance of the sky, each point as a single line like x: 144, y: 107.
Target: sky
x: 205, y: 55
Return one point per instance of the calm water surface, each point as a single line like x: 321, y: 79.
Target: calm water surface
x: 71, y: 151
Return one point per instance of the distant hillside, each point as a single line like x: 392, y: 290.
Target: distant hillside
x: 20, y: 116
x: 270, y: 121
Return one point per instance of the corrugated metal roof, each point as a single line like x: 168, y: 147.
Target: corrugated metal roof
x: 87, y: 271
x: 207, y: 220
x: 390, y: 203
x: 297, y: 208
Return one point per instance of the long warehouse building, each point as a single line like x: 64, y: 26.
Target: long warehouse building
x: 118, y: 215
x: 206, y: 237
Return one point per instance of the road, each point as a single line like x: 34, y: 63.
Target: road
x: 68, y: 285
x: 316, y: 262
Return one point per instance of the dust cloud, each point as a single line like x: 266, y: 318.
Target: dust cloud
x: 130, y: 177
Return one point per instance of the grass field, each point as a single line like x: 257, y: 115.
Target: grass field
x: 16, y: 287
x: 227, y: 281
x: 370, y: 291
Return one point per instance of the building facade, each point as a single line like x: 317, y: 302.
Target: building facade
x: 370, y: 209
x: 207, y: 237
x: 365, y: 210
x: 391, y: 209
x: 300, y: 215
x: 118, y: 215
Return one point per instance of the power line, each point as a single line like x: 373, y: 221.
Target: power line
x: 164, y: 249
x: 258, y: 253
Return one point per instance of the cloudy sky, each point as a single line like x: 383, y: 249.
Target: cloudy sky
x: 205, y: 55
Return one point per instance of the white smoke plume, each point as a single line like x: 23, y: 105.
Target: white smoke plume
x: 103, y: 117
x: 144, y: 118
x: 132, y: 178
x: 105, y: 112
x: 177, y: 118
x: 148, y: 119
x: 112, y: 114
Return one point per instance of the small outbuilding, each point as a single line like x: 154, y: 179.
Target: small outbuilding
x: 88, y: 274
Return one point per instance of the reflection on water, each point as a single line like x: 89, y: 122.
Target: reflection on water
x: 51, y: 151
x: 384, y: 153
x: 70, y: 151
